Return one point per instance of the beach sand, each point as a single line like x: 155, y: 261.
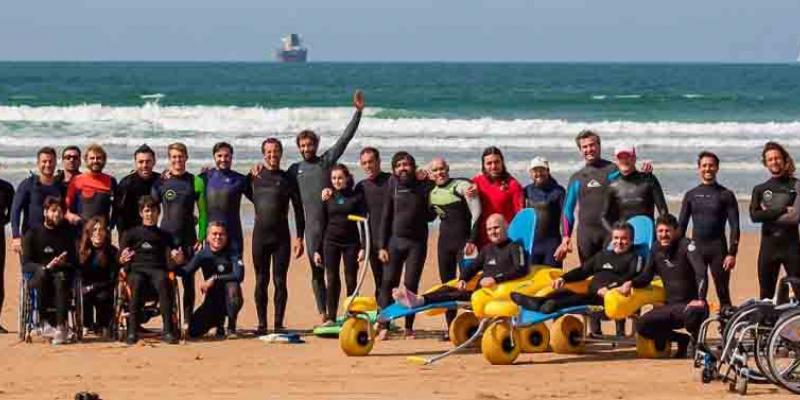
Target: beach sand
x: 250, y: 369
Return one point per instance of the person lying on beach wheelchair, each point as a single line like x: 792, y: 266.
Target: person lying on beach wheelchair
x: 500, y: 261
x: 223, y: 271
x: 148, y: 257
x: 50, y: 285
x: 610, y: 269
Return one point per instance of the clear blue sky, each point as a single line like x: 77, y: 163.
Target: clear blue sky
x: 405, y: 30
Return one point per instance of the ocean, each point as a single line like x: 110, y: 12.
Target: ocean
x: 669, y: 111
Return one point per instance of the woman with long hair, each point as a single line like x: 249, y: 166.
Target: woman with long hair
x: 499, y: 192
x: 99, y: 269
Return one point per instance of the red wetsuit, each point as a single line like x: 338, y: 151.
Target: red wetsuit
x: 502, y: 197
x: 90, y: 194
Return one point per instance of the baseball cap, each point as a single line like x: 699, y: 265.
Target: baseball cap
x: 539, y: 162
x: 625, y: 148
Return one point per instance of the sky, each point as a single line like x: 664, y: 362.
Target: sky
x: 407, y: 30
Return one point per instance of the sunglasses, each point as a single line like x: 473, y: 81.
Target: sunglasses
x: 71, y: 157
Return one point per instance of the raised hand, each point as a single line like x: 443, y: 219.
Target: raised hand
x: 358, y: 100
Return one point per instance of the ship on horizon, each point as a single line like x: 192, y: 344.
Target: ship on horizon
x: 292, y: 50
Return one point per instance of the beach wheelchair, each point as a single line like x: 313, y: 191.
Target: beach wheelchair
x: 31, y: 309
x: 150, y: 307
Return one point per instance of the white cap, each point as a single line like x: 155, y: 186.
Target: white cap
x: 539, y: 162
x: 625, y: 148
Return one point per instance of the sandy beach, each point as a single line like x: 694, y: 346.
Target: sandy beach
x: 250, y: 369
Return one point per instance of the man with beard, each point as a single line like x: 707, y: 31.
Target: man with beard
x: 27, y: 211
x: 132, y: 187
x: 91, y: 194
x: 70, y: 163
x: 222, y: 193
x: 404, y: 232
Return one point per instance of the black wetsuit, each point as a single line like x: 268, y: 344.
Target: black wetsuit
x: 548, y: 201
x: 6, y: 200
x: 271, y: 192
x: 126, y: 200
x: 504, y: 261
x: 312, y: 176
x: 374, y: 192
x: 780, y: 241
x: 26, y: 211
x: 607, y: 269
x: 39, y: 247
x: 404, y: 233
x: 178, y: 195
x: 224, y: 298
x: 341, y: 243
x: 149, y: 266
x: 586, y: 191
x: 710, y: 207
x: 634, y: 194
x: 99, y: 279
x: 683, y: 271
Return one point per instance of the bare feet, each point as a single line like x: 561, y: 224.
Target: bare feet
x: 410, y: 334
x: 382, y: 335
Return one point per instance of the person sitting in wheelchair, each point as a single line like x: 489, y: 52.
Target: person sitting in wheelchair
x: 616, y: 268
x: 99, y: 270
x: 48, y: 256
x: 148, y: 254
x: 501, y: 260
x: 683, y: 272
x: 223, y: 271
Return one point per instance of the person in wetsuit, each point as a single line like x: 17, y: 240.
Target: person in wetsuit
x: 500, y: 261
x: 223, y: 272
x: 634, y: 193
x: 498, y: 191
x: 48, y: 255
x: 776, y: 205
x: 271, y: 190
x: 6, y: 201
x: 311, y: 176
x: 709, y: 206
x: 341, y: 241
x: 458, y: 216
x: 222, y: 192
x: 404, y: 233
x: 132, y: 187
x: 679, y: 263
x: 26, y: 210
x: 373, y: 188
x: 610, y: 269
x: 177, y: 191
x: 99, y: 270
x: 546, y: 196
x: 148, y: 254
x: 91, y: 194
x: 70, y: 163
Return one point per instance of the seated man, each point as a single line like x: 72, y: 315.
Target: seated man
x: 223, y: 271
x: 683, y: 272
x: 147, y: 253
x: 48, y: 253
x: 501, y: 260
x: 609, y: 269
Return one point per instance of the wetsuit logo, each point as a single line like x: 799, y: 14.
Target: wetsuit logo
x: 768, y: 195
x: 170, y: 195
x: 593, y: 184
x: 608, y: 266
x: 691, y: 247
x: 668, y: 263
x: 220, y: 268
x: 48, y: 250
x: 491, y: 262
x: 147, y: 246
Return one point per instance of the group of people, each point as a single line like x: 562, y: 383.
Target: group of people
x: 173, y: 223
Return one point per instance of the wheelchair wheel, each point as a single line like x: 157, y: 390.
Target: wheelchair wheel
x: 77, y: 309
x: 500, y: 344
x: 177, y: 311
x: 24, y: 311
x: 356, y: 337
x: 534, y: 338
x: 567, y: 335
x: 783, y: 352
x: 463, y: 327
x: 119, y: 326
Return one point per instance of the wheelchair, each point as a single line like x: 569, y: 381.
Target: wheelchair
x: 150, y: 307
x: 30, y: 310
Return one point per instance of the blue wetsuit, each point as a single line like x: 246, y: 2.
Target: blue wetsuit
x: 223, y: 197
x: 548, y: 201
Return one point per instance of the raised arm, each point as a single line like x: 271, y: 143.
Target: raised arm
x: 332, y: 155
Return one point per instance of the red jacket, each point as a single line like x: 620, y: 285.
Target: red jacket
x: 499, y: 197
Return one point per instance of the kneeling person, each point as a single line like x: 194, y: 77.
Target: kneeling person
x: 501, y: 260
x: 683, y: 272
x: 49, y: 256
x: 223, y: 271
x: 609, y: 269
x: 147, y: 256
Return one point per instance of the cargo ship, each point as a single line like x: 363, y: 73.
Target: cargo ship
x: 292, y: 50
